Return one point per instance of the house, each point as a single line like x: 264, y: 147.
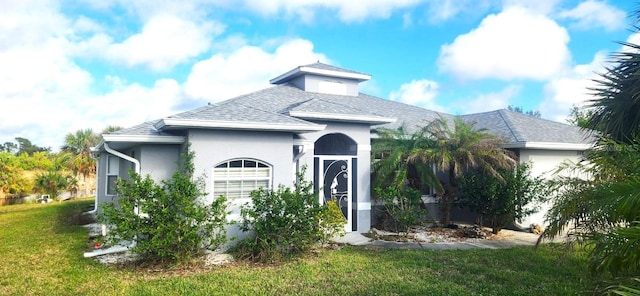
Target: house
x: 313, y: 116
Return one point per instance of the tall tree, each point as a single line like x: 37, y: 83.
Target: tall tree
x: 606, y: 205
x: 534, y: 113
x: 79, y: 144
x: 460, y: 148
x: 111, y: 128
x: 579, y: 116
x: 25, y: 146
x: 9, y: 147
x: 51, y: 182
x: 616, y: 106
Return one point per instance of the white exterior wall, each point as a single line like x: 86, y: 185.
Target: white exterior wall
x: 544, y: 163
x: 313, y: 83
x: 212, y: 147
x: 360, y: 133
x: 157, y: 161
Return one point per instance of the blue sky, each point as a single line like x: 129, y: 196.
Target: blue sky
x: 70, y: 65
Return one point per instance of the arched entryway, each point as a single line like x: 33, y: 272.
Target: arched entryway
x: 335, y: 165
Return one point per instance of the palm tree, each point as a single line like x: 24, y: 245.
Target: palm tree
x: 616, y: 106
x: 80, y: 144
x: 606, y: 206
x: 51, y: 182
x: 393, y: 147
x: 111, y: 128
x: 458, y: 150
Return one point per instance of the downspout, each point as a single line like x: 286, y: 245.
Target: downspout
x: 95, y: 205
x: 117, y: 249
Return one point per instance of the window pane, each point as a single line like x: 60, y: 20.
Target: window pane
x: 111, y: 185
x: 220, y: 173
x: 112, y: 165
x: 262, y: 173
x: 237, y: 178
x: 262, y: 183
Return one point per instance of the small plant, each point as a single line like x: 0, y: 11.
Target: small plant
x: 287, y: 222
x: 402, y: 205
x: 174, y: 225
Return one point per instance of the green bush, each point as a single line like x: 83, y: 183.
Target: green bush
x: 175, y: 225
x: 404, y: 206
x: 286, y: 222
x: 502, y: 202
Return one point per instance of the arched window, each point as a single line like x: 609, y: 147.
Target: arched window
x: 236, y: 178
x: 335, y: 144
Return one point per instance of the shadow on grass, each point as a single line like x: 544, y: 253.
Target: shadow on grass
x: 73, y: 213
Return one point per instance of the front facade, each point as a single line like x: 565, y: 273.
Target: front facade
x: 314, y: 117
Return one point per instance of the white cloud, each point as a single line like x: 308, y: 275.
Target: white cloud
x: 562, y: 93
x: 539, y: 7
x: 129, y: 104
x: 514, y: 44
x: 590, y: 14
x: 419, y: 93
x: 249, y: 68
x: 164, y: 42
x: 348, y: 11
x: 488, y: 101
x: 45, y: 94
x: 442, y: 10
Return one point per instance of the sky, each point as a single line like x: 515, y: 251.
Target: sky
x: 71, y: 65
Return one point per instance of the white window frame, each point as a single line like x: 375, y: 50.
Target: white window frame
x: 225, y: 172
x: 111, y: 171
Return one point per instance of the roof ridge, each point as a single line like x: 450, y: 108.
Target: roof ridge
x: 509, y: 124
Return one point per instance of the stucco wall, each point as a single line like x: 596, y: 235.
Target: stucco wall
x: 157, y: 161
x: 213, y: 147
x: 311, y: 83
x: 544, y: 163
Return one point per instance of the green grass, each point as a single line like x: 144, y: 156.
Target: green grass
x: 42, y: 255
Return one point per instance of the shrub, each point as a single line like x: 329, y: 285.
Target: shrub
x: 287, y: 222
x: 404, y: 206
x: 175, y: 225
x: 505, y: 201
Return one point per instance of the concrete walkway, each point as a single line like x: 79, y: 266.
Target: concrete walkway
x: 515, y: 238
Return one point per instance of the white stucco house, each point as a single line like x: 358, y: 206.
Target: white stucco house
x: 314, y: 115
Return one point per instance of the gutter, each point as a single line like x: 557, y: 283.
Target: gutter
x: 95, y: 205
x: 116, y: 249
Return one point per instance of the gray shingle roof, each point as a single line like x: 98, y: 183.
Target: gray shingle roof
x: 237, y: 112
x: 322, y: 66
x: 274, y: 104
x: 143, y: 129
x: 516, y: 127
x: 284, y: 98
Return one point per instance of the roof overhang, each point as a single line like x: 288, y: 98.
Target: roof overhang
x: 374, y: 120
x: 118, y: 141
x: 172, y: 123
x: 323, y: 72
x: 549, y: 146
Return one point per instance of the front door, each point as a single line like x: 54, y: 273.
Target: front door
x: 335, y: 175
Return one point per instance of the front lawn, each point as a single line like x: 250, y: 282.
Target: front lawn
x: 41, y: 254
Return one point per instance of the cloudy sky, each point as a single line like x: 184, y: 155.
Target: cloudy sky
x: 70, y: 65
